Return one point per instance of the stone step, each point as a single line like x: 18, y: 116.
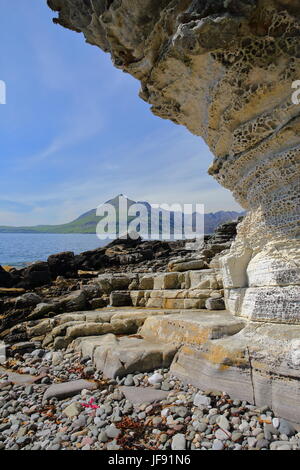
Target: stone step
x: 191, y: 328
x: 62, y: 329
x: 200, y: 279
x: 121, y: 356
x: 157, y: 342
x: 169, y: 299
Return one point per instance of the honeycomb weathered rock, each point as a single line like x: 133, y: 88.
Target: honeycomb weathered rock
x: 224, y: 69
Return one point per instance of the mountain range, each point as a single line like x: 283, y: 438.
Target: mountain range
x: 87, y: 222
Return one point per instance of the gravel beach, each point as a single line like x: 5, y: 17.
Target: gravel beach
x: 57, y: 401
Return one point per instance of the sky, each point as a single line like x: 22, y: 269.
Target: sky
x: 74, y: 132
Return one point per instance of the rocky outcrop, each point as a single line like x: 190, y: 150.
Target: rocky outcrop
x: 36, y: 275
x: 5, y: 278
x: 259, y: 364
x: 119, y: 255
x: 63, y: 264
x: 223, y: 69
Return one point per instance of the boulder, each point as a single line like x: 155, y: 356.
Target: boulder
x: 121, y: 356
x: 23, y: 347
x: 6, y: 279
x: 43, y: 310
x: 36, y: 275
x: 113, y: 282
x: 146, y: 282
x: 98, y: 303
x: 258, y: 365
x: 30, y: 299
x: 73, y: 302
x: 187, y: 265
x: 63, y: 264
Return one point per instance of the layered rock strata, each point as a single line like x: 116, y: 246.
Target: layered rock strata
x: 225, y: 70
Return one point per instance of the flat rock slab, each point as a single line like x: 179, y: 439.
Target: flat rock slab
x: 139, y: 395
x: 68, y: 389
x: 20, y: 379
x: 10, y: 291
x: 260, y: 364
x: 191, y: 328
x: 120, y: 356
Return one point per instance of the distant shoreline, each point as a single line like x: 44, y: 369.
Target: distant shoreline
x: 48, y: 233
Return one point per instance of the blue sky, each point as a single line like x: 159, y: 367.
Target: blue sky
x: 74, y: 132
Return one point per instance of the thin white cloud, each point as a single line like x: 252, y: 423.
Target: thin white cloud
x: 179, y: 175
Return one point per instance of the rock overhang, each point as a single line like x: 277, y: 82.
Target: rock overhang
x: 224, y: 69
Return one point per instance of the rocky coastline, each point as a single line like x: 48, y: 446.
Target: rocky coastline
x: 220, y: 325
x: 58, y: 401
x: 86, y: 370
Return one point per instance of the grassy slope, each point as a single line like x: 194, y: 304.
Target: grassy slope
x: 87, y: 222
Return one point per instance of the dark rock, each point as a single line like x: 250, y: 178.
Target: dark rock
x: 119, y: 299
x: 6, y: 279
x: 73, y: 302
x: 92, y: 291
x: 29, y: 299
x: 23, y: 347
x: 98, y: 303
x: 36, y: 275
x: 63, y: 264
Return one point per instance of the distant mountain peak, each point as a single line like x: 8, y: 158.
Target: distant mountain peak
x: 87, y: 222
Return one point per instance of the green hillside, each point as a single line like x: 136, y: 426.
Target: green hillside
x: 88, y: 221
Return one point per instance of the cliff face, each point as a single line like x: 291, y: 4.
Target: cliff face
x: 224, y: 69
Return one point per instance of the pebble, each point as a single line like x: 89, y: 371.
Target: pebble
x: 217, y: 445
x: 112, y: 432
x: 178, y: 442
x: 223, y: 422
x: 155, y: 379
x: 186, y: 419
x: 202, y: 400
x: 222, y: 435
x: 102, y: 437
x: 286, y: 428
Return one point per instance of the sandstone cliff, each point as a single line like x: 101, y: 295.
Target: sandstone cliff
x: 225, y: 69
